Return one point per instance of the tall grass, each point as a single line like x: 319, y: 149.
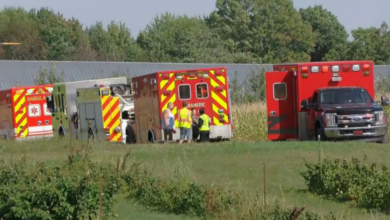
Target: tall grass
x: 250, y: 121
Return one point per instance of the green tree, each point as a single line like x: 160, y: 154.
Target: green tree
x: 171, y: 38
x: 62, y: 37
x: 48, y: 76
x: 331, y: 38
x: 371, y: 44
x: 17, y: 26
x: 114, y: 43
x: 270, y: 30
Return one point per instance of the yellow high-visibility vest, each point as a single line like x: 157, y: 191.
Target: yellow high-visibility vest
x: 206, y: 123
x: 184, y: 120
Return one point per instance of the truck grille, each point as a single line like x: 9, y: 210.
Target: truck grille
x: 357, y: 120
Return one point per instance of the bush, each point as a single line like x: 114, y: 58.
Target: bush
x: 69, y: 190
x: 181, y: 195
x: 366, y: 185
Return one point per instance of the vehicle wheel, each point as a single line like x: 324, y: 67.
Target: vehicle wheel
x: 151, y: 137
x: 385, y: 139
x: 320, y: 132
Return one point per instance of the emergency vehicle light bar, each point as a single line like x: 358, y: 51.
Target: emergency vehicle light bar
x: 336, y: 69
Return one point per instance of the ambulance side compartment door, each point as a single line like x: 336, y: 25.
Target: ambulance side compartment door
x: 281, y: 109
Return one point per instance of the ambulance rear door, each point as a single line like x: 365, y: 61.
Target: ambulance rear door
x: 281, y: 105
x: 194, y: 88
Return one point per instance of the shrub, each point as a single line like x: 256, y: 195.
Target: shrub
x: 69, y: 190
x: 182, y: 195
x: 342, y: 180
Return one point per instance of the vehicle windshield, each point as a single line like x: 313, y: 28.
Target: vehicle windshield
x: 345, y: 96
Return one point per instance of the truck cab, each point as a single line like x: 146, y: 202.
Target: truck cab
x: 340, y: 113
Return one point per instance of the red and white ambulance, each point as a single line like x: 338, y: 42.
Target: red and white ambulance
x: 24, y: 113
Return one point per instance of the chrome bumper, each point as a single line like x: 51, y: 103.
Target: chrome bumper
x: 372, y: 131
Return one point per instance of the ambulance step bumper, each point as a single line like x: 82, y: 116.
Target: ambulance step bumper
x: 356, y: 132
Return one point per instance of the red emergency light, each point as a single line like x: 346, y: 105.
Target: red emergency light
x: 304, y: 71
x: 346, y: 68
x: 366, y: 69
x: 325, y: 69
x: 167, y: 92
x: 219, y: 88
x: 218, y: 73
x: 165, y: 76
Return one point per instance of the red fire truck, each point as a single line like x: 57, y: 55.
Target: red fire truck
x: 201, y: 88
x: 24, y: 114
x: 326, y: 101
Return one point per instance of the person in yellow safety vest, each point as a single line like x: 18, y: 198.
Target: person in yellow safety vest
x: 184, y: 123
x: 204, y: 126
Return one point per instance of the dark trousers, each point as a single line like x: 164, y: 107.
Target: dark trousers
x: 195, y: 132
x: 204, y: 136
x: 168, y: 133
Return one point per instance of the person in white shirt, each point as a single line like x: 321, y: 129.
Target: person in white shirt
x: 168, y: 122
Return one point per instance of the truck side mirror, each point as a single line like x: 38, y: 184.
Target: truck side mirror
x: 305, y: 104
x: 384, y: 100
x: 50, y: 103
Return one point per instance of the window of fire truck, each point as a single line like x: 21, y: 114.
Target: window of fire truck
x: 58, y: 101
x: 184, y: 92
x: 280, y: 91
x: 202, y: 91
x: 345, y: 96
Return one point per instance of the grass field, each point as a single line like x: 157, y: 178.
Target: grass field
x: 227, y: 164
x: 237, y: 164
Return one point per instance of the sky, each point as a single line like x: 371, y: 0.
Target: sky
x: 137, y: 14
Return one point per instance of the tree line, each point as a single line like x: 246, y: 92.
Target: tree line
x: 246, y: 31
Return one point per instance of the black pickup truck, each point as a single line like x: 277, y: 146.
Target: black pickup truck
x: 346, y: 113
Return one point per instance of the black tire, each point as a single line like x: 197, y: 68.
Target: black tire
x: 385, y: 139
x: 320, y: 132
x: 61, y: 132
